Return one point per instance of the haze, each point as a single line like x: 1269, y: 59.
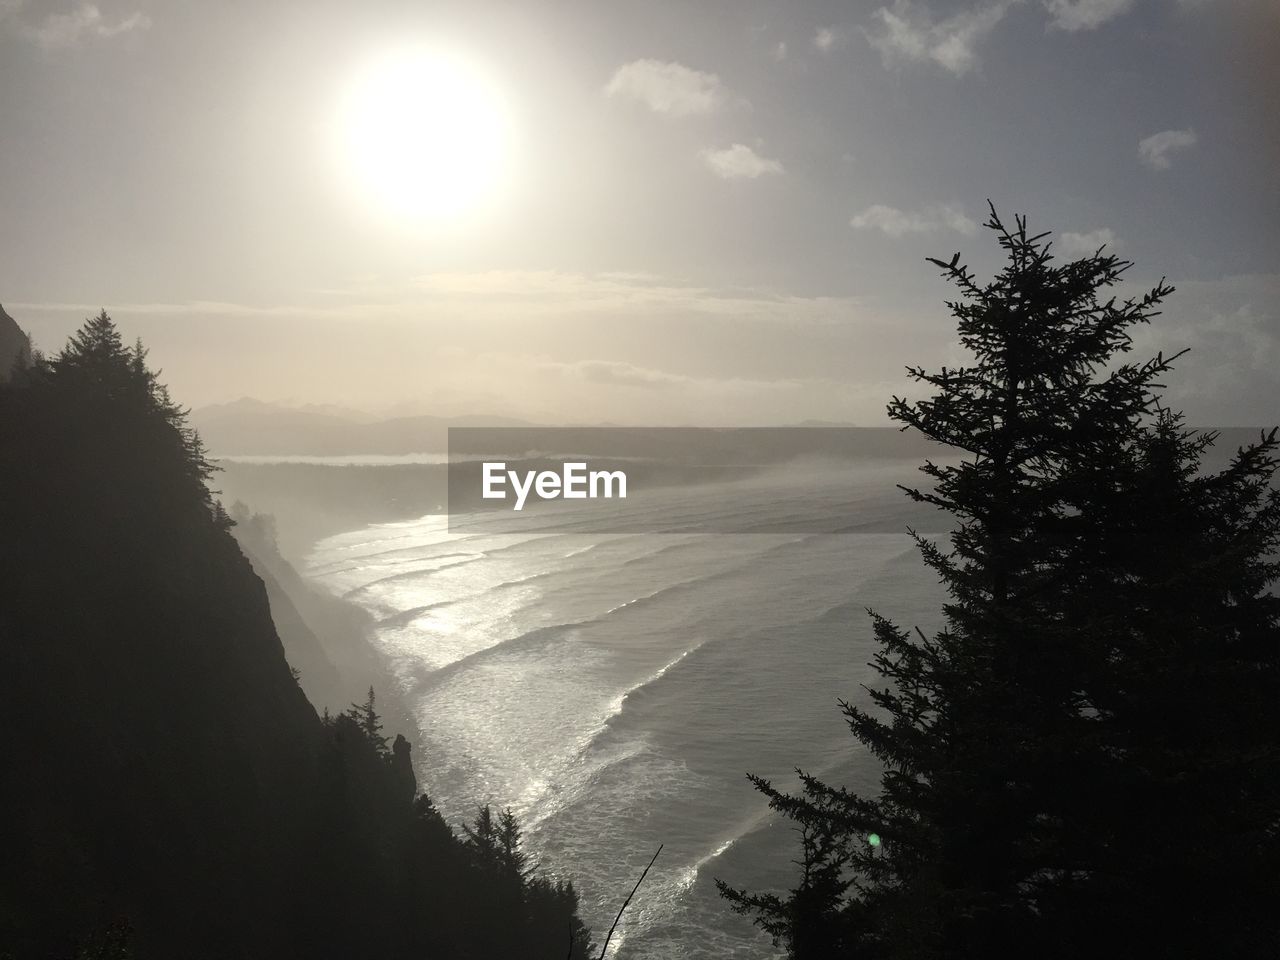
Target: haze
x: 704, y: 213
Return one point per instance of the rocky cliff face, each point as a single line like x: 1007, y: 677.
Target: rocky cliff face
x: 15, y: 347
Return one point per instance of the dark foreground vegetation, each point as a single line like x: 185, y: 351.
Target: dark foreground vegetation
x: 169, y: 791
x: 1085, y: 761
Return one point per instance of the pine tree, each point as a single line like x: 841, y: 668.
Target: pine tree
x: 1109, y: 648
x: 97, y: 353
x: 513, y: 860
x: 429, y: 823
x: 366, y: 717
x: 482, y: 836
x: 112, y: 399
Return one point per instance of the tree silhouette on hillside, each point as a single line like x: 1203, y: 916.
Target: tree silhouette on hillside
x: 118, y: 395
x: 366, y: 717
x: 1084, y: 760
x: 170, y: 792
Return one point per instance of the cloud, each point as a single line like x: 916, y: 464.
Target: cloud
x: 668, y: 88
x: 779, y: 51
x: 535, y: 293
x: 619, y: 373
x: 739, y: 162
x: 551, y: 346
x: 827, y: 39
x: 561, y: 293
x: 1155, y: 149
x: 84, y: 23
x: 622, y: 373
x: 1073, y: 15
x: 1232, y: 326
x: 1084, y: 244
x: 906, y: 34
x: 625, y: 392
x: 896, y: 223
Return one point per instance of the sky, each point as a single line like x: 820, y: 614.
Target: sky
x: 702, y: 213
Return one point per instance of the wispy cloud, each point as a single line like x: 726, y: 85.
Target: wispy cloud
x: 1073, y: 15
x: 70, y: 28
x: 896, y: 223
x: 668, y: 88
x: 739, y: 162
x: 667, y: 396
x: 1083, y: 244
x: 528, y: 292
x: 779, y: 51
x: 905, y: 32
x: 1232, y: 326
x: 827, y: 39
x: 1155, y: 149
x: 562, y: 292
x: 619, y: 373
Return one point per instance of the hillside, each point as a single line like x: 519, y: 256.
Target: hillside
x: 15, y: 346
x: 168, y: 785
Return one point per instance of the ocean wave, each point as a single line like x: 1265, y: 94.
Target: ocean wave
x: 429, y: 678
x: 621, y: 724
x: 373, y: 560
x: 581, y: 550
x: 408, y: 575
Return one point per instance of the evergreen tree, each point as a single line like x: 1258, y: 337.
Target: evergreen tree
x: 96, y: 353
x: 366, y: 716
x: 513, y: 860
x: 429, y: 822
x: 1083, y: 761
x: 109, y: 401
x: 482, y: 836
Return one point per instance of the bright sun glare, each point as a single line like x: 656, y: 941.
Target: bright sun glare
x: 426, y: 136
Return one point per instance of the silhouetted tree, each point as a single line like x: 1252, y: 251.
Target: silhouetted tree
x: 482, y: 835
x: 95, y: 362
x: 514, y: 861
x: 1084, y: 760
x: 366, y: 716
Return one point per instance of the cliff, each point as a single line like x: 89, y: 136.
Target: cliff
x: 15, y: 346
x: 164, y: 772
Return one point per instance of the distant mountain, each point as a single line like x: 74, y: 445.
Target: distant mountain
x: 254, y: 428
x: 15, y: 346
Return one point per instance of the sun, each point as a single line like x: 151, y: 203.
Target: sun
x: 425, y: 135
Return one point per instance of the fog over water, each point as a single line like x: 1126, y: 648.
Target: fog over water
x: 614, y: 689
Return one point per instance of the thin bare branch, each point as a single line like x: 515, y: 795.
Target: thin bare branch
x: 605, y: 948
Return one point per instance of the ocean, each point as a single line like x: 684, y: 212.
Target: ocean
x: 615, y: 689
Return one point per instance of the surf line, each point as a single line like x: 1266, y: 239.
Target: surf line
x: 573, y: 482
